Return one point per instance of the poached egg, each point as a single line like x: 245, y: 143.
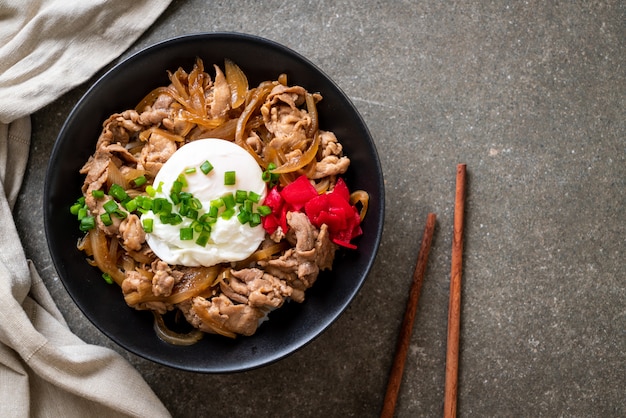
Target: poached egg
x: 229, y: 239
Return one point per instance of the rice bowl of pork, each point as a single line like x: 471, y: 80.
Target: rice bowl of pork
x: 288, y: 328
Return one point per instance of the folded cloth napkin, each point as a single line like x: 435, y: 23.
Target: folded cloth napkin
x: 46, y: 48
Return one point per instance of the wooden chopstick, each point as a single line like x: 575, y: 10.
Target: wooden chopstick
x: 395, y: 377
x: 454, y: 308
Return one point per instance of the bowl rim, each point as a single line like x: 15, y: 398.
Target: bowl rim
x: 129, y: 61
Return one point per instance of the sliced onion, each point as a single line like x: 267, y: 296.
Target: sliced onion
x: 195, y: 281
x: 312, y: 109
x: 174, y: 338
x: 213, y: 325
x: 103, y: 259
x: 237, y: 81
x: 201, y: 120
x: 257, y: 99
x: 115, y: 176
x: 263, y: 254
x: 362, y: 197
x: 297, y: 163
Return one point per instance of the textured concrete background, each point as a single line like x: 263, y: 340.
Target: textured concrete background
x: 532, y: 97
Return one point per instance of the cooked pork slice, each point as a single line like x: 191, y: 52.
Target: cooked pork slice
x: 155, y: 153
x: 220, y: 314
x: 284, y: 120
x: 332, y: 162
x: 160, y: 109
x: 262, y: 290
x: 132, y: 233
x: 164, y: 278
x: 324, y: 249
x: 301, y: 265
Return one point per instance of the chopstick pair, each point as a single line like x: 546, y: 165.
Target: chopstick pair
x: 454, y: 308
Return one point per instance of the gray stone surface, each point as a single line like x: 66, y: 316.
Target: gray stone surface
x: 532, y: 97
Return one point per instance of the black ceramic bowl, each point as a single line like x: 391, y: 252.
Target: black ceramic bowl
x: 290, y: 327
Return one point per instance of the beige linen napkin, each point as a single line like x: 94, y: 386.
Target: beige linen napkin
x: 46, y: 48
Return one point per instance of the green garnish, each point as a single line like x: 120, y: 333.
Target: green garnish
x: 206, y: 167
x: 110, y: 206
x: 230, y: 178
x: 264, y: 210
x: 87, y: 223
x: 117, y: 192
x: 186, y: 234
x: 106, y: 219
x: 98, y: 194
x: 148, y: 224
x: 203, y: 239
x: 241, y: 196
x: 140, y: 181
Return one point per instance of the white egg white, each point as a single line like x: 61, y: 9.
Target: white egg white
x: 229, y: 239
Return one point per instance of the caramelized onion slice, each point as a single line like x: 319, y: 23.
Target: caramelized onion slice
x: 297, y: 163
x: 103, y: 258
x: 237, y: 81
x: 195, y: 281
x: 174, y: 338
x: 258, y: 97
x: 362, y: 197
x: 262, y: 254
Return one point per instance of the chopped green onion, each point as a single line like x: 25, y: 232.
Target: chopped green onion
x: 213, y: 211
x: 241, y: 196
x: 195, y: 203
x: 144, y: 202
x: 248, y: 205
x: 150, y: 190
x: 230, y: 178
x: 255, y: 197
x: 171, y: 218
x: 185, y: 196
x: 197, y: 226
x: 218, y: 203
x: 264, y: 210
x: 175, y: 198
x: 190, y: 170
x: 229, y: 200
x: 159, y: 188
x: 268, y: 176
x: 120, y: 213
x: 118, y: 192
x: 130, y: 205
x: 98, y: 194
x: 191, y: 213
x: 75, y: 208
x: 87, y: 223
x: 203, y: 239
x: 148, y: 224
x: 255, y: 219
x: 161, y: 206
x: 106, y: 219
x: 228, y: 213
x: 107, y: 278
x: 243, y: 217
x: 186, y: 234
x: 206, y: 167
x: 110, y: 206
x: 177, y: 186
x: 140, y: 181
x: 82, y: 212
